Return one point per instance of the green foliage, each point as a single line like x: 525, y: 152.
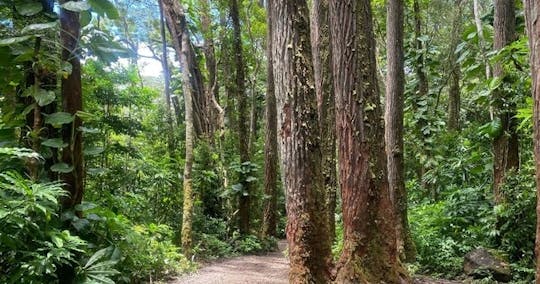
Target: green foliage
x: 33, y: 246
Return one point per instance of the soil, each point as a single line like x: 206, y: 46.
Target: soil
x: 270, y: 268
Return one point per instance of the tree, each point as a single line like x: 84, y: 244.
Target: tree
x: 72, y: 103
x: 244, y: 201
x: 454, y: 97
x: 271, y: 167
x: 320, y: 44
x: 174, y: 13
x: 309, y: 250
x: 532, y: 12
x: 395, y: 87
x: 369, y: 250
x: 506, y: 144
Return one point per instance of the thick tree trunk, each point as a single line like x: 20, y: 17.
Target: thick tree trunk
x: 167, y: 80
x: 454, y: 97
x: 72, y: 103
x: 244, y: 200
x: 271, y: 166
x: 395, y: 88
x: 309, y: 250
x: 369, y: 251
x: 532, y: 12
x: 320, y: 45
x: 505, y: 146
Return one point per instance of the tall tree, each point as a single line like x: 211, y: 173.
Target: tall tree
x: 72, y: 103
x: 309, y: 250
x: 369, y: 250
x: 320, y: 44
x: 532, y: 12
x: 271, y: 167
x: 395, y: 88
x: 176, y: 22
x: 506, y: 145
x: 454, y: 96
x: 244, y: 201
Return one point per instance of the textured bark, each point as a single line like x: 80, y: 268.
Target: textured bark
x: 309, y: 251
x: 71, y: 103
x: 271, y: 167
x: 215, y: 112
x: 369, y: 251
x: 189, y: 197
x: 320, y: 45
x: 176, y: 24
x: 244, y: 201
x: 532, y: 12
x: 505, y: 146
x: 454, y: 96
x: 395, y: 88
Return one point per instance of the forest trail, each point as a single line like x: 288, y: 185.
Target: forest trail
x: 270, y: 268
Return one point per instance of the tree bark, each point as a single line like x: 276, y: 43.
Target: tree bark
x: 395, y: 88
x: 454, y: 96
x: 481, y: 39
x: 505, y: 146
x: 72, y: 103
x: 532, y: 14
x: 270, y: 146
x: 167, y: 82
x: 244, y: 200
x: 320, y: 45
x: 176, y: 24
x: 309, y: 251
x: 369, y: 250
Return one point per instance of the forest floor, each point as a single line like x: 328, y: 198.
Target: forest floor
x: 270, y: 268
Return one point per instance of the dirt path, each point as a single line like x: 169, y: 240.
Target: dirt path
x: 271, y: 268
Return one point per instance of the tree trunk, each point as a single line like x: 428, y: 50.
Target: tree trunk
x: 320, y: 45
x: 244, y: 200
x: 270, y: 146
x: 395, y: 88
x: 454, y: 97
x: 481, y: 39
x: 369, y: 250
x: 309, y: 250
x: 505, y: 146
x: 71, y: 103
x: 532, y: 12
x: 167, y: 80
x: 176, y: 24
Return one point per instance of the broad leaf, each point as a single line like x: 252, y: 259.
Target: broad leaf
x: 13, y: 40
x: 76, y: 6
x: 44, y: 97
x: 28, y: 8
x: 62, y: 168
x: 38, y: 27
x: 104, y: 7
x: 54, y: 143
x: 59, y: 118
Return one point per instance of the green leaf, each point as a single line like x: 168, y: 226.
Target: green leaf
x: 93, y: 151
x: 13, y: 40
x: 85, y: 18
x: 28, y: 8
x: 80, y: 224
x: 44, y: 97
x: 38, y: 27
x: 85, y: 116
x: 59, y: 118
x: 62, y: 168
x: 85, y: 206
x: 251, y: 178
x: 88, y: 130
x: 57, y: 241
x: 54, y: 143
x: 76, y: 6
x: 104, y: 7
